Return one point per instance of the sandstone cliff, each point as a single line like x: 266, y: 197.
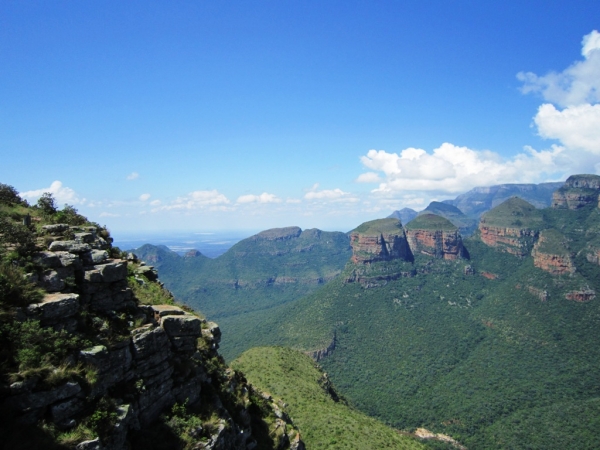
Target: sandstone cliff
x: 379, y: 240
x: 512, y: 226
x: 578, y: 191
x: 551, y: 253
x: 113, y: 372
x: 435, y: 236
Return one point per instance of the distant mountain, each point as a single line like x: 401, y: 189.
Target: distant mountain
x: 240, y: 288
x: 405, y: 215
x: 496, y: 346
x: 481, y: 199
x: 466, y: 225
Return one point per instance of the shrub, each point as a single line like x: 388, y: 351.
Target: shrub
x: 10, y: 196
x: 15, y: 290
x: 17, y: 235
x: 70, y: 215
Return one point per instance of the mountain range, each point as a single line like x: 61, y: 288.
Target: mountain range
x: 488, y: 338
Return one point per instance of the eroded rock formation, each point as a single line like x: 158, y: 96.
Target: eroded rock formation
x: 550, y: 253
x: 435, y: 236
x: 578, y: 191
x: 379, y: 240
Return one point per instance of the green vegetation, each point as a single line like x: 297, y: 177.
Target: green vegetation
x: 430, y: 222
x: 379, y: 226
x: 254, y: 278
x: 325, y: 421
x: 466, y: 225
x: 483, y: 357
x: 515, y: 213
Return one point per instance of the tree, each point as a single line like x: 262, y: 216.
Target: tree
x: 9, y: 195
x: 47, y: 203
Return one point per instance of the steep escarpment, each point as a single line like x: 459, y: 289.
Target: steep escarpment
x: 96, y: 355
x: 578, y: 191
x: 379, y: 240
x: 512, y: 226
x: 551, y: 253
x: 435, y: 236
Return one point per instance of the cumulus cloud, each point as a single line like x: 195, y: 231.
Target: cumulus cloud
x: 451, y: 169
x: 155, y: 202
x: 133, y: 176
x: 577, y: 127
x: 61, y: 194
x: 576, y: 85
x: 262, y: 198
x: 199, y: 200
x: 368, y: 177
x: 329, y: 195
x: 145, y: 197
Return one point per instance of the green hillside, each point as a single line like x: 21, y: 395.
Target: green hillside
x: 431, y: 221
x: 495, y: 356
x: 253, y: 277
x: 466, y: 225
x: 324, y: 420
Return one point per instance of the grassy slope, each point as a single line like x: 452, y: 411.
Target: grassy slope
x: 323, y: 423
x: 463, y: 354
x: 431, y: 222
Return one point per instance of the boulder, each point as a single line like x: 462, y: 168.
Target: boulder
x: 55, y: 307
x: 69, y: 246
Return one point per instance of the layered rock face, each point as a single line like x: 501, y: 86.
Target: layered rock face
x: 551, y: 254
x: 512, y: 226
x: 578, y: 191
x: 143, y: 359
x: 435, y: 236
x: 379, y: 240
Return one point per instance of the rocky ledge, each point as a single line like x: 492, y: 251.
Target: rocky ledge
x: 435, y: 236
x: 551, y: 253
x: 512, y: 227
x: 577, y: 192
x: 379, y: 240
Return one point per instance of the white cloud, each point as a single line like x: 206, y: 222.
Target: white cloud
x: 262, y: 198
x: 576, y: 85
x: 368, y: 177
x: 577, y: 127
x: 107, y: 214
x: 199, y: 200
x: 61, y: 194
x: 452, y: 169
x: 329, y: 195
x: 145, y: 197
x: 155, y: 202
x: 133, y: 176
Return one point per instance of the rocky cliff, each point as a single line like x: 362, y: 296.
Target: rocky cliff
x: 512, y: 226
x: 551, y: 253
x: 98, y: 356
x: 434, y: 236
x: 578, y: 191
x: 379, y: 240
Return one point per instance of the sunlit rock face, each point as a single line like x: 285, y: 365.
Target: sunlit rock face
x: 435, y: 236
x: 578, y: 191
x: 379, y: 240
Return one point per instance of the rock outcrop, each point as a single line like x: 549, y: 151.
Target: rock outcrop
x: 512, y: 227
x: 578, y: 191
x: 126, y: 362
x: 551, y: 253
x: 379, y: 240
x: 435, y: 236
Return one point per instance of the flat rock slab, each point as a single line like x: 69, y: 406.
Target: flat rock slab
x: 69, y: 246
x: 186, y: 325
x: 167, y: 310
x: 107, y: 273
x: 56, y: 306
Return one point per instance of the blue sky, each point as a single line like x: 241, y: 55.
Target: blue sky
x: 251, y: 115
